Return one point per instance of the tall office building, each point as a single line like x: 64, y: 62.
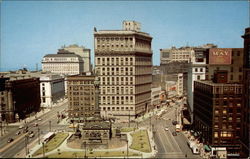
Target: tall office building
x: 123, y: 60
x: 217, y: 113
x: 196, y: 71
x: 81, y: 96
x: 245, y: 126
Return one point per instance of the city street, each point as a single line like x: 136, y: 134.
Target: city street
x: 170, y: 146
x: 48, y: 121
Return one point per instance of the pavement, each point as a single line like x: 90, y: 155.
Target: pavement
x: 37, y: 115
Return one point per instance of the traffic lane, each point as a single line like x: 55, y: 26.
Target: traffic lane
x: 173, y: 145
x: 11, y: 134
x: 14, y: 149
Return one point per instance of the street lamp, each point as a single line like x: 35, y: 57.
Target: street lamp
x: 127, y: 147
x: 50, y: 125
x: 43, y: 150
x: 38, y: 131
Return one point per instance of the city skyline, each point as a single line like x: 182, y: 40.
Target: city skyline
x: 40, y: 28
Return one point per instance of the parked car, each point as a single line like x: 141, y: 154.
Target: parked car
x: 10, y: 140
x: 166, y: 128
x: 174, y: 133
x: 31, y: 135
x: 31, y: 132
x: 39, y: 119
x: 21, y: 126
x: 35, y: 125
x: 19, y: 132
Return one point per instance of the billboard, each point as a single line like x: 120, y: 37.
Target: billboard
x: 220, y: 56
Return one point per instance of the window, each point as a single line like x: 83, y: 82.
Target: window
x: 196, y: 69
x: 240, y: 69
x: 198, y: 77
x: 215, y: 134
x: 232, y: 77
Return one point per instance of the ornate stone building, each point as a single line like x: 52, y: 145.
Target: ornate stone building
x: 123, y: 60
x: 64, y: 62
x: 83, y: 52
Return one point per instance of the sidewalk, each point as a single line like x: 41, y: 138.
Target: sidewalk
x: 64, y: 147
x: 37, y: 115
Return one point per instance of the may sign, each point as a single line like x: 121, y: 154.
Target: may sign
x: 220, y: 56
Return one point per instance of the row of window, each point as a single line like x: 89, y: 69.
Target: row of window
x: 117, y: 80
x: 117, y: 71
x: 117, y: 99
x: 115, y: 61
x: 117, y: 108
x: 115, y: 39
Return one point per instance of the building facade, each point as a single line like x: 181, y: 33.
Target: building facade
x: 84, y: 53
x: 64, y: 62
x: 15, y: 104
x: 196, y: 71
x: 180, y: 84
x: 52, y: 89
x: 81, y: 96
x: 230, y: 59
x: 155, y: 97
x: 123, y: 61
x: 217, y: 114
x: 245, y: 126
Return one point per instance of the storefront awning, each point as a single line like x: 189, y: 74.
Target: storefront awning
x: 207, y: 148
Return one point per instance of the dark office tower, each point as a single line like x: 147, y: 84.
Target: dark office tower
x: 217, y: 112
x: 245, y: 128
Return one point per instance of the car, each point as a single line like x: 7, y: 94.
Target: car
x: 10, y: 140
x: 31, y: 132
x: 166, y: 128
x: 174, y: 133
x: 35, y: 125
x: 31, y: 135
x: 39, y: 119
x: 19, y: 132
x: 25, y: 130
x: 21, y: 126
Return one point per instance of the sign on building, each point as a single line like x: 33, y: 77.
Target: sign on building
x: 220, y: 56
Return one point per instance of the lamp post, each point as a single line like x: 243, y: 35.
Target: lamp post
x: 50, y: 125
x: 127, y: 147
x: 43, y: 150
x: 38, y: 131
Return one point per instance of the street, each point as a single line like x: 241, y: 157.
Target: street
x: 170, y: 146
x: 48, y: 120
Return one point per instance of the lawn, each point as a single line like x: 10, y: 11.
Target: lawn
x: 141, y: 141
x: 127, y: 129
x: 55, y: 142
x: 92, y: 154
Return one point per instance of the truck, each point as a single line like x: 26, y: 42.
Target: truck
x: 177, y: 127
x: 193, y: 146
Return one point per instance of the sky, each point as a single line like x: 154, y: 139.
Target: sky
x: 32, y: 29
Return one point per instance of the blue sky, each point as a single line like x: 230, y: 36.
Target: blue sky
x: 30, y: 29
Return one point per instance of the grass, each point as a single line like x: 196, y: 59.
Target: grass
x: 126, y: 129
x: 141, y: 141
x: 55, y: 142
x: 68, y: 154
